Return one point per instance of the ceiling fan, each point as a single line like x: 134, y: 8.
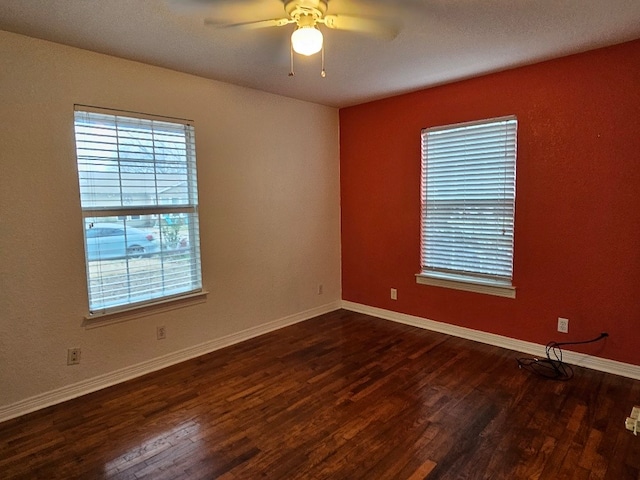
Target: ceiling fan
x: 307, y: 15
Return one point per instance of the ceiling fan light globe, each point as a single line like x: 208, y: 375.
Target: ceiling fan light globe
x: 306, y: 40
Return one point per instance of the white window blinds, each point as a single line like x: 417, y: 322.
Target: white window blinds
x: 468, y: 201
x: 139, y: 199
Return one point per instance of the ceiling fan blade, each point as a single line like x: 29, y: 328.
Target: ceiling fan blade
x: 276, y: 22
x: 372, y: 26
x: 195, y: 6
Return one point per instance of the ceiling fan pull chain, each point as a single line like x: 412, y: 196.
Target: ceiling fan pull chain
x: 291, y: 72
x: 323, y: 73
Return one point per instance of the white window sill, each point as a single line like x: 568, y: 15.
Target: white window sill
x: 470, y: 285
x: 109, y: 318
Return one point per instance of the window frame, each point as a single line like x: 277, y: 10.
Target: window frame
x: 161, y: 210
x: 474, y: 281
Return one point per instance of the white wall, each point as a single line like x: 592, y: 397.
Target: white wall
x: 268, y: 172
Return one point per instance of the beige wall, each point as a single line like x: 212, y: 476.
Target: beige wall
x: 268, y: 171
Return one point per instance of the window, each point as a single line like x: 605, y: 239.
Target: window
x: 139, y: 199
x: 468, y: 203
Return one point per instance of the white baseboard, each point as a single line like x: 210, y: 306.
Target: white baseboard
x: 580, y: 359
x: 68, y: 392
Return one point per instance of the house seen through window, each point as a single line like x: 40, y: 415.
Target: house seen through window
x: 468, y: 206
x: 139, y: 199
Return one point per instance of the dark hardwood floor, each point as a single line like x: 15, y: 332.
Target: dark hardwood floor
x: 342, y: 396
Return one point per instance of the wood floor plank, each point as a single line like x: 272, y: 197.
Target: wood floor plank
x: 341, y: 396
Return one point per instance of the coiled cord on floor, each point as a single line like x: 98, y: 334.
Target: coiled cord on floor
x: 554, y: 368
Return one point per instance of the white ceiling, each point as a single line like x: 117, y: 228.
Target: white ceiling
x: 440, y: 40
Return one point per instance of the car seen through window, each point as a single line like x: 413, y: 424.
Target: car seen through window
x: 107, y: 241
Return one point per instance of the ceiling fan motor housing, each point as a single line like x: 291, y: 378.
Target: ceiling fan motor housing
x: 305, y: 12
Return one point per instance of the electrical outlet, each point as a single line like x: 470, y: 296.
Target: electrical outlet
x: 161, y: 333
x: 394, y: 294
x: 563, y: 325
x: 320, y: 289
x: 73, y: 356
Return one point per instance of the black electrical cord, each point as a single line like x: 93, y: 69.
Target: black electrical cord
x: 554, y: 368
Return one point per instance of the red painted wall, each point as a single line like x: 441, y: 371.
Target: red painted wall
x: 577, y: 227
